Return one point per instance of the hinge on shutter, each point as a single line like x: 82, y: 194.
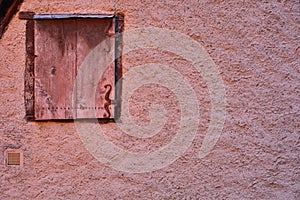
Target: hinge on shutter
x: 108, y: 101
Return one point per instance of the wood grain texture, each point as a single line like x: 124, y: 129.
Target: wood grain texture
x: 95, y: 56
x: 29, y: 71
x: 55, y: 66
x: 61, y: 48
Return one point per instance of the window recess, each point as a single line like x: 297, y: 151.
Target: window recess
x: 56, y: 48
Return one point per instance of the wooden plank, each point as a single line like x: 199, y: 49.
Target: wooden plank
x: 95, y: 92
x: 29, y: 71
x: 26, y: 15
x: 55, y: 65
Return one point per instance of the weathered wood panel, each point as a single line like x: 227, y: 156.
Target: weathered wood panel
x: 55, y: 65
x: 95, y: 63
x: 29, y: 71
x: 64, y: 49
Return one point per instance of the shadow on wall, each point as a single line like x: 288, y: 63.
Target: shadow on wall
x: 8, y: 8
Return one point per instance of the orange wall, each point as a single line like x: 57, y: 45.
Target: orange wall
x: 254, y: 46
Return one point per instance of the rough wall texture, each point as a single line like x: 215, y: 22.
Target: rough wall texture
x: 255, y: 45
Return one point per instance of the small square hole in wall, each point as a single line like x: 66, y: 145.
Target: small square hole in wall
x: 14, y: 157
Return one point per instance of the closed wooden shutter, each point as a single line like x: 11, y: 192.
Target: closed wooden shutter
x: 62, y: 48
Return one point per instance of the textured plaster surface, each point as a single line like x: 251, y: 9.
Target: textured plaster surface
x: 255, y: 45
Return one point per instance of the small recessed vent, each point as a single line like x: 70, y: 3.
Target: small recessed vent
x: 14, y: 157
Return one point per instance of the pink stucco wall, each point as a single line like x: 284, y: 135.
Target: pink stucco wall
x: 255, y: 46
